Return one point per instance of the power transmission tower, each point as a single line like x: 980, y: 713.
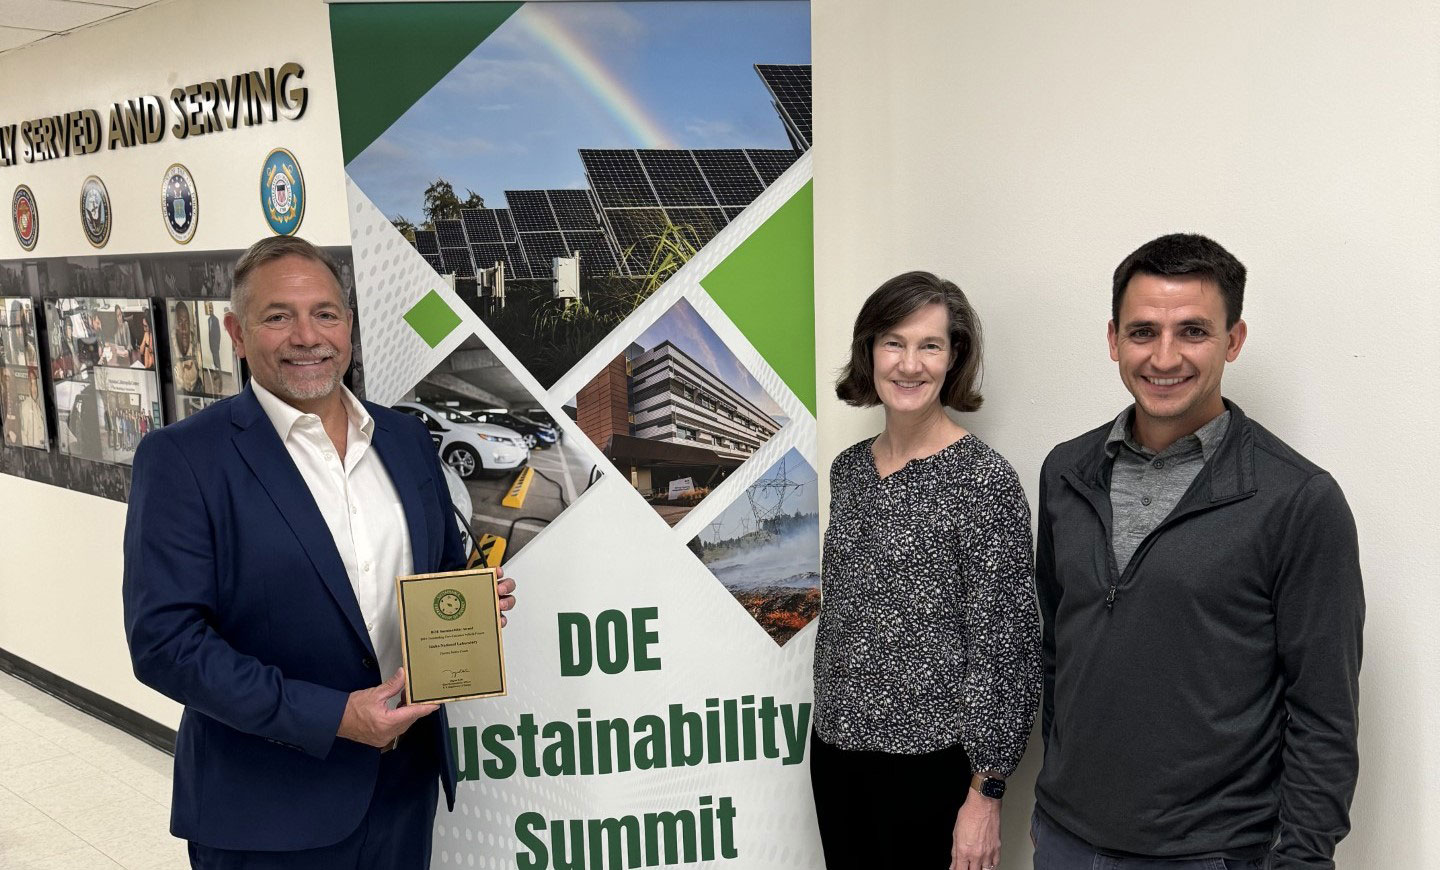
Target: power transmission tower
x: 777, y: 487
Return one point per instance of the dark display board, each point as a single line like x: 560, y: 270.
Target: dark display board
x: 110, y: 378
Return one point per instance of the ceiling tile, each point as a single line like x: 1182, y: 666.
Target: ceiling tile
x: 11, y: 37
x: 28, y: 21
x: 52, y: 15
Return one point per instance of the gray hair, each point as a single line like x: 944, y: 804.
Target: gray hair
x: 268, y: 250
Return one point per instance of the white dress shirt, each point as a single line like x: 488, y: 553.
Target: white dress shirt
x: 361, y: 508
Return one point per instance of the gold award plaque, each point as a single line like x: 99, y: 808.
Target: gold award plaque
x: 450, y: 636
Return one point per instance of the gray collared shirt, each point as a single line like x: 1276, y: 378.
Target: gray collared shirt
x: 1145, y: 486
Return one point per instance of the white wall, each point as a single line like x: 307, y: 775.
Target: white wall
x: 1024, y: 148
x: 60, y: 578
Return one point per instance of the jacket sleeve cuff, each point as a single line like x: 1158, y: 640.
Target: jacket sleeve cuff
x: 316, y: 721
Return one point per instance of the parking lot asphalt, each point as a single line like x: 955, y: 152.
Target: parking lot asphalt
x: 562, y: 473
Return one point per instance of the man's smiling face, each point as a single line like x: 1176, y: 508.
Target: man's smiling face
x: 296, y: 332
x: 1172, y: 346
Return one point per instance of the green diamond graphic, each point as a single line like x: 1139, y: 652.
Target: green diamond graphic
x: 767, y: 289
x: 432, y: 318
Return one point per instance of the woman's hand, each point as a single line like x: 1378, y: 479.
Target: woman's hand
x: 976, y: 842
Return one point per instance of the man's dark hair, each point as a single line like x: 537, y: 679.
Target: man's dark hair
x: 896, y: 300
x: 267, y: 250
x: 1184, y: 254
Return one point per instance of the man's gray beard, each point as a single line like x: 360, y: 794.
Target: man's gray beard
x: 313, y: 391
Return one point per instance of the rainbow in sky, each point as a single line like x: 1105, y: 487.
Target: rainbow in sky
x: 590, y: 71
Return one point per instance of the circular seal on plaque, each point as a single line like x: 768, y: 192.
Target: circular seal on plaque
x: 95, y: 216
x: 282, y: 192
x: 25, y: 217
x: 449, y: 604
x: 180, y: 203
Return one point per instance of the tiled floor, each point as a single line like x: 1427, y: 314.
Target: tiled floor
x: 77, y: 794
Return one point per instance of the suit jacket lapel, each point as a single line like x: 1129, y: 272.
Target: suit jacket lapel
x: 261, y: 448
x: 406, y: 477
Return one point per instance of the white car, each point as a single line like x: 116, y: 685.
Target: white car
x: 470, y: 449
x: 460, y: 497
x: 526, y: 429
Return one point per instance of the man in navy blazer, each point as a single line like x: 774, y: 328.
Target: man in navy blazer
x: 261, y: 544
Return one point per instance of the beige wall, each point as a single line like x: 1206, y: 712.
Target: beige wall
x: 150, y: 51
x: 60, y: 578
x: 1023, y: 148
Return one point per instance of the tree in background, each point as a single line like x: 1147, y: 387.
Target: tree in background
x: 406, y: 228
x: 442, y: 203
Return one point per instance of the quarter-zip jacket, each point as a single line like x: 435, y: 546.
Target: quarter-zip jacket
x: 1204, y: 700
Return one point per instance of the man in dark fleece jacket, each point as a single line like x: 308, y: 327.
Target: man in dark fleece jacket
x: 1200, y: 586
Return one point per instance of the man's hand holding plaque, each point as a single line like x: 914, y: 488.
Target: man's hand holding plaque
x: 450, y: 634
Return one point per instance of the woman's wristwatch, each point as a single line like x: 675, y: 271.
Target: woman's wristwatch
x: 989, y: 786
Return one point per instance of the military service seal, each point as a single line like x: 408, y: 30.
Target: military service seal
x: 95, y: 216
x: 180, y: 203
x: 25, y: 217
x: 282, y: 192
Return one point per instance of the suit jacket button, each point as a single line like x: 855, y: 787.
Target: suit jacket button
x: 368, y: 662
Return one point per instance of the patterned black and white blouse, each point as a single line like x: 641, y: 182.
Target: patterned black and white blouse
x: 928, y: 633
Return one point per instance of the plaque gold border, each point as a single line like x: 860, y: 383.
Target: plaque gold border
x: 405, y: 638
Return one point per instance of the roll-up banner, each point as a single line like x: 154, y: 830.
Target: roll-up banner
x: 583, y: 257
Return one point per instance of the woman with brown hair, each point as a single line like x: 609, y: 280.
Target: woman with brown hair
x: 927, y: 658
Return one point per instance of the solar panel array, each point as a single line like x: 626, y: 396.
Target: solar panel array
x: 557, y: 223
x: 451, y: 234
x: 639, y: 193
x: 481, y: 225
x: 641, y: 190
x: 789, y: 84
x: 539, y: 226
x: 634, y: 195
x: 491, y: 232
x: 454, y: 253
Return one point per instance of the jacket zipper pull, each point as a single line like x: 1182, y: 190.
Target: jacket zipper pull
x: 1110, y: 598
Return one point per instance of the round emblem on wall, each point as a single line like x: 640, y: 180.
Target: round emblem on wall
x: 282, y: 192
x: 25, y: 217
x: 180, y: 204
x: 95, y: 214
x: 449, y: 604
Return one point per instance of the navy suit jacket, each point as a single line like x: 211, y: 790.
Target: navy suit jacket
x: 238, y: 606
